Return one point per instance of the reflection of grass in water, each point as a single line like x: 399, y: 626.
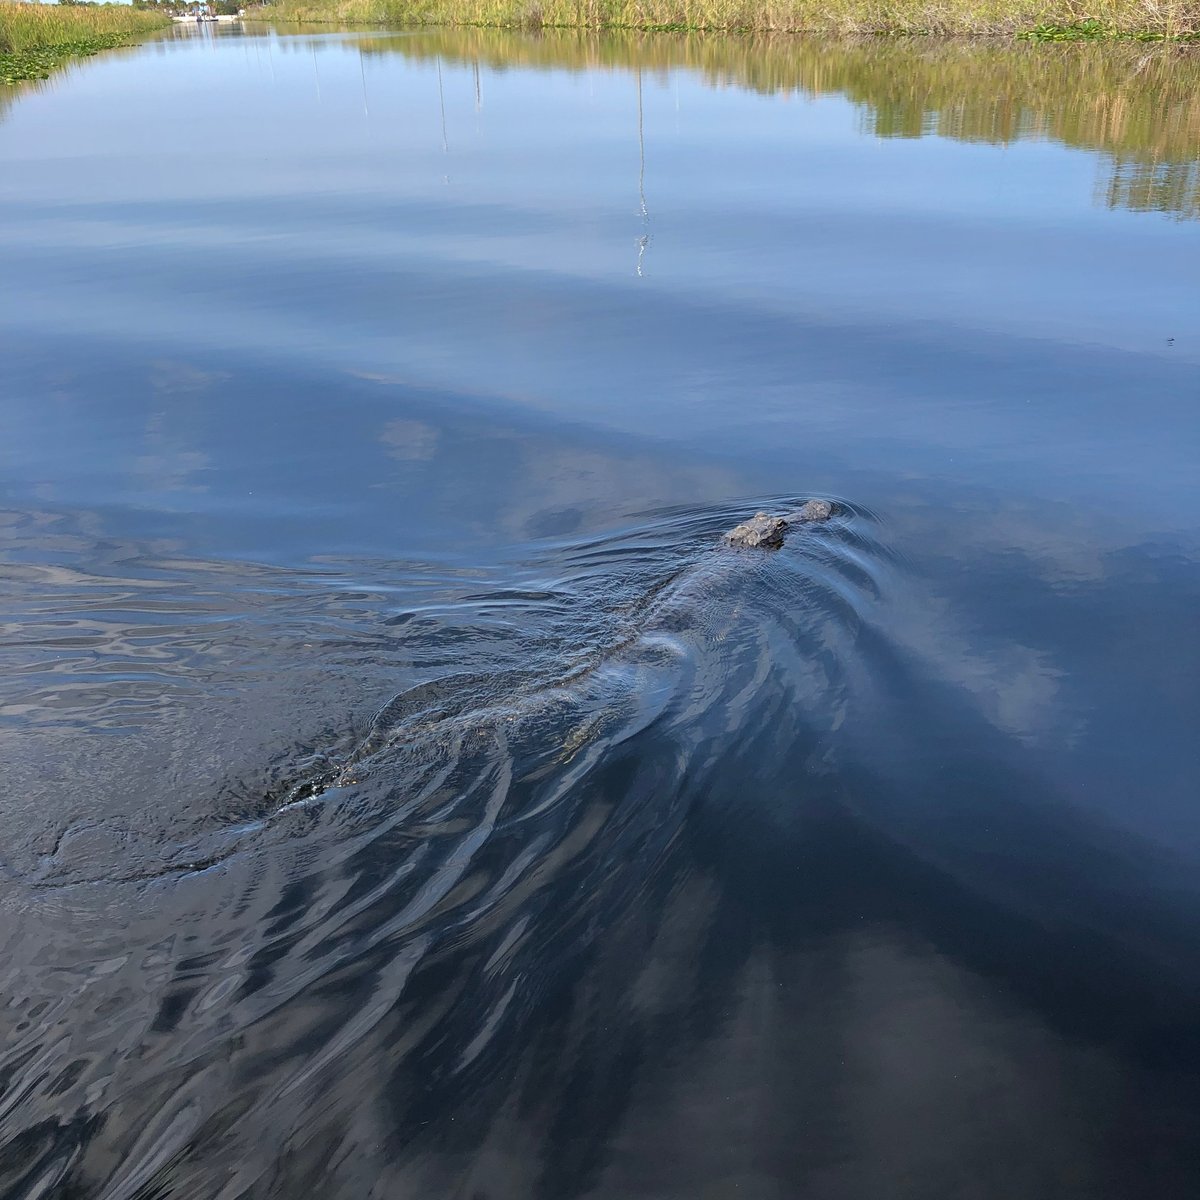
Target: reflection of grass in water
x: 1154, y: 187
x: 37, y: 38
x: 1163, y: 18
x: 1138, y: 104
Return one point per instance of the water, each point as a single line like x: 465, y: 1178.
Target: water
x: 406, y: 795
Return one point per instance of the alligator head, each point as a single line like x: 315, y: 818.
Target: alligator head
x: 767, y: 532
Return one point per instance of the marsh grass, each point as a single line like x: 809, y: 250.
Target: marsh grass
x: 1055, y: 19
x: 36, y: 38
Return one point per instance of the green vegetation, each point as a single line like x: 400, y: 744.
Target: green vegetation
x: 1093, y: 30
x: 36, y: 38
x: 1041, y: 20
x: 183, y: 8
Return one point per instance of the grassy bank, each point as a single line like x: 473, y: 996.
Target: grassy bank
x: 36, y: 38
x: 1041, y: 19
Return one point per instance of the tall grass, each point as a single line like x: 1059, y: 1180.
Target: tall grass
x: 1153, y: 18
x: 37, y: 38
x: 39, y: 26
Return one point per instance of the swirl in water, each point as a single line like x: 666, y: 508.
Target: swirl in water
x: 449, y: 867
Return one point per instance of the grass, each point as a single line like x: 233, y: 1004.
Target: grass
x: 37, y: 38
x: 1093, y: 30
x: 1040, y: 20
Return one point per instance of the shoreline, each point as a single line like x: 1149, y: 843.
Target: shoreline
x: 37, y: 39
x: 1028, y: 20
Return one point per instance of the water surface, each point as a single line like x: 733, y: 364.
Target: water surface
x: 407, y: 795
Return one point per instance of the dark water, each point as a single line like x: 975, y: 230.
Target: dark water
x: 406, y: 796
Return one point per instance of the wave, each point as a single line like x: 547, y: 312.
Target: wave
x: 638, y: 783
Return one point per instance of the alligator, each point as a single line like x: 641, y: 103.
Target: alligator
x: 603, y: 690
x: 475, y: 705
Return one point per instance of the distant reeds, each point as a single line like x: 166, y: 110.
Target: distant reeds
x: 35, y: 38
x: 32, y: 26
x: 1043, y: 19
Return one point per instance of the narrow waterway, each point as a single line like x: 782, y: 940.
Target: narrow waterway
x: 407, y: 794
